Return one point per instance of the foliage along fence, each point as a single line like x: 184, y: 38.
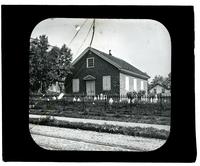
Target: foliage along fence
x: 104, y: 101
x: 111, y: 99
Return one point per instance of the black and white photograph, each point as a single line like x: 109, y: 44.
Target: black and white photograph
x: 100, y: 84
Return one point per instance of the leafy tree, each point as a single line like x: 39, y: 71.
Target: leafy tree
x: 151, y: 95
x: 166, y: 82
x: 64, y: 68
x: 157, y: 80
x: 37, y: 62
x: 64, y: 63
x: 141, y: 93
x: 46, y: 67
x: 131, y: 95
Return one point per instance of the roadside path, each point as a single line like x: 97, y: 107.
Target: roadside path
x: 55, y: 138
x: 101, y: 122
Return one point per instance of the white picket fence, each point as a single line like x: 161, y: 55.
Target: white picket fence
x: 111, y: 99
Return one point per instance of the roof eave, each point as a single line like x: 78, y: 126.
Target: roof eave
x: 98, y: 54
x: 136, y: 74
x: 159, y: 85
x: 106, y: 59
x: 109, y: 61
x: 80, y: 56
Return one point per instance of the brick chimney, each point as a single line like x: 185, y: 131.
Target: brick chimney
x: 110, y: 52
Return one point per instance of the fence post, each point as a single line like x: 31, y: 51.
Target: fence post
x: 110, y: 101
x: 105, y: 103
x: 83, y: 102
x: 160, y: 100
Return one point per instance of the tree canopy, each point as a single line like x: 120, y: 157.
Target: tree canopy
x: 47, y: 64
x: 165, y: 81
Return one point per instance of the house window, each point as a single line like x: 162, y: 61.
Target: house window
x: 75, y: 85
x: 155, y: 91
x: 142, y: 85
x: 90, y: 62
x: 127, y: 83
x: 163, y: 90
x: 135, y: 84
x: 106, y: 83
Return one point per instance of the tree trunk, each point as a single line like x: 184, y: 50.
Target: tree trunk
x: 43, y: 87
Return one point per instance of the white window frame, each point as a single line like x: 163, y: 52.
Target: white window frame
x: 74, y: 81
x: 88, y: 63
x: 127, y: 83
x: 106, y: 84
x: 142, y: 85
x: 135, y: 84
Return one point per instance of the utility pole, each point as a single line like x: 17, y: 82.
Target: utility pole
x: 93, y: 28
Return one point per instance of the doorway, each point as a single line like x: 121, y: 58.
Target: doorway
x: 90, y: 88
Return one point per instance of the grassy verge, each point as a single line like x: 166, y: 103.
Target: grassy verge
x: 132, y: 131
x: 112, y: 116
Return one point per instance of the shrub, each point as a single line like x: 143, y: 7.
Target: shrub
x: 132, y: 131
x: 132, y: 95
x: 63, y: 105
x: 151, y: 95
x: 141, y: 94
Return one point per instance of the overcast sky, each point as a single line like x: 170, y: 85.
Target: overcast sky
x: 145, y: 44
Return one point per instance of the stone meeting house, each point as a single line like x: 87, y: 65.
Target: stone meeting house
x: 95, y: 72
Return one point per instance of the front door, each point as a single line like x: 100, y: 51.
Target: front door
x: 90, y: 88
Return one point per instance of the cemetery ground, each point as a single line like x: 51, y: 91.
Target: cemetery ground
x: 151, y: 114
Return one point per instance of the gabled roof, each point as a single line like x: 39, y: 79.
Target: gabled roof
x: 159, y: 85
x: 117, y: 62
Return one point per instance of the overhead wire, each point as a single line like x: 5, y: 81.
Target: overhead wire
x: 92, y: 32
x: 92, y: 26
x: 77, y: 32
x: 71, y: 39
x: 85, y: 38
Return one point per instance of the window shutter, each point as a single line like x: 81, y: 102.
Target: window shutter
x: 127, y: 83
x: 142, y: 85
x: 135, y: 84
x: 106, y: 83
x: 75, y: 85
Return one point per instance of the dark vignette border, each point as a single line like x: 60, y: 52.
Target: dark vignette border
x: 18, y: 22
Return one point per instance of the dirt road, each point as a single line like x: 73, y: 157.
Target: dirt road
x: 54, y: 138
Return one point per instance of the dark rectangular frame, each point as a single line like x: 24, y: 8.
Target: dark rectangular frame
x: 17, y: 24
